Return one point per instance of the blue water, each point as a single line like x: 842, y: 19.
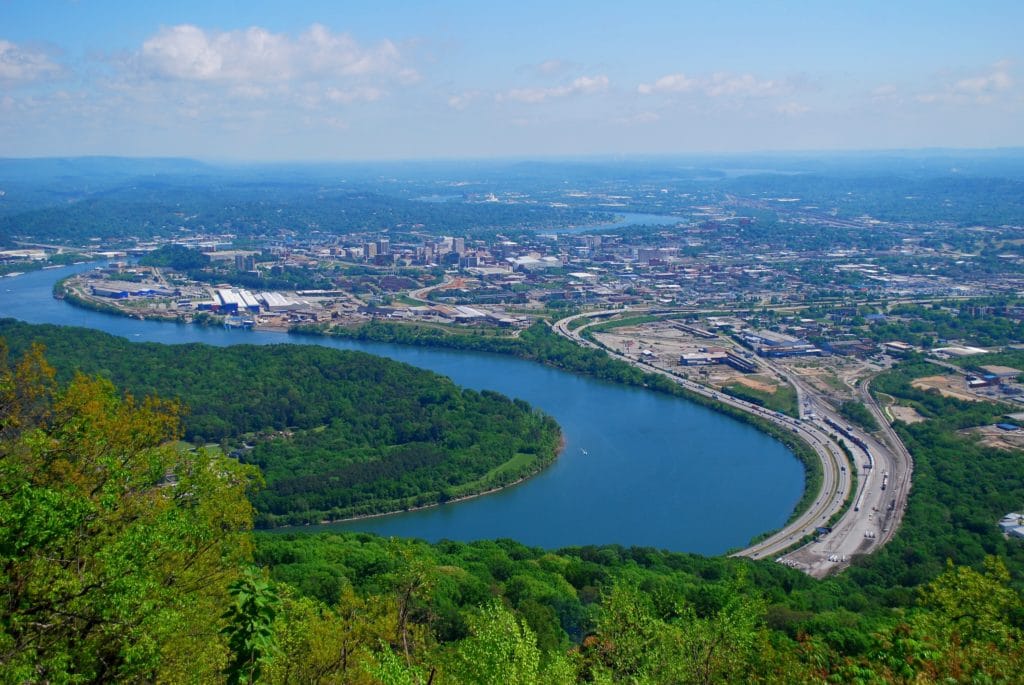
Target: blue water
x: 623, y: 219
x: 638, y: 468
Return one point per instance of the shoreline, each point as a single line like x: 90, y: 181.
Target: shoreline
x: 764, y: 427
x: 77, y: 299
x: 432, y: 505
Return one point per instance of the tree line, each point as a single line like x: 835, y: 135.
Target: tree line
x: 128, y: 558
x: 335, y: 433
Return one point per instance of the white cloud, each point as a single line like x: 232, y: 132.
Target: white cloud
x: 983, y: 88
x: 744, y: 85
x: 190, y: 53
x: 998, y: 79
x: 551, y: 66
x: 23, y: 65
x: 719, y: 84
x: 583, y: 85
x: 462, y: 100
x: 672, y: 83
x: 589, y: 84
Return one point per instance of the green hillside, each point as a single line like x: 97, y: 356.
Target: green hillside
x: 335, y: 433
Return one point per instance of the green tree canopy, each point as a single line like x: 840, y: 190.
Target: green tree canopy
x: 116, y: 547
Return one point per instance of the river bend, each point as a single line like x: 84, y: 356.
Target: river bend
x: 638, y: 468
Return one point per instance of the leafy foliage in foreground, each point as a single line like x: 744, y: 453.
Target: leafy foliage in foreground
x: 336, y: 433
x: 114, y: 547
x: 124, y: 558
x: 501, y: 612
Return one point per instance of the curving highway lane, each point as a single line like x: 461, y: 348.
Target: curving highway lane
x: 874, y: 512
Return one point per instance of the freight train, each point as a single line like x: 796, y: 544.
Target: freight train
x: 847, y: 432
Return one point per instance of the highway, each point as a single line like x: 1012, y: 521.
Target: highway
x: 873, y: 514
x: 422, y: 295
x: 877, y: 510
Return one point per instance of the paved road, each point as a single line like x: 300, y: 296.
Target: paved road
x: 877, y: 511
x: 422, y: 295
x: 869, y: 522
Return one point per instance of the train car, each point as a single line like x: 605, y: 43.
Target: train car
x: 847, y: 432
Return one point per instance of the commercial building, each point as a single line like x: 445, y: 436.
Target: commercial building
x: 897, y: 347
x: 245, y: 262
x: 232, y: 300
x: 118, y: 291
x: 228, y: 300
x: 112, y: 293
x: 275, y: 302
x: 1001, y: 372
x: 771, y: 344
x: 958, y: 351
x: 534, y: 263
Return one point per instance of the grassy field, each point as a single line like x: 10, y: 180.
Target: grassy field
x: 783, y: 399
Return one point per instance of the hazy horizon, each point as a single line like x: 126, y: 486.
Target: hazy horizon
x: 392, y: 81
x: 595, y: 157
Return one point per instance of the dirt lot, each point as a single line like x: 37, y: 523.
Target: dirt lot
x: 668, y: 343
x: 905, y: 414
x: 757, y: 383
x: 995, y: 437
x: 659, y: 337
x: 948, y: 386
x: 824, y: 375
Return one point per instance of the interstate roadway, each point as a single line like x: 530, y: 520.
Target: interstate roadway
x: 874, y: 513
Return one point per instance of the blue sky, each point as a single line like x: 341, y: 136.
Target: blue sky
x: 398, y: 80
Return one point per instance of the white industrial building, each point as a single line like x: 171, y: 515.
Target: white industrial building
x: 235, y: 299
x: 275, y: 302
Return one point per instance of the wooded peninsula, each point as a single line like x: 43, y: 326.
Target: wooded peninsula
x: 336, y: 434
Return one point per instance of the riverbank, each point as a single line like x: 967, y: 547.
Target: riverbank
x: 657, y: 472
x: 358, y: 435
x: 62, y: 291
x: 423, y: 507
x: 490, y: 484
x: 539, y: 344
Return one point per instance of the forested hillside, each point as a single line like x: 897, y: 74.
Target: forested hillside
x: 125, y: 206
x: 124, y: 557
x: 335, y: 433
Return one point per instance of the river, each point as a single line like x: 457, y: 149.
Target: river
x: 622, y: 220
x: 638, y: 468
